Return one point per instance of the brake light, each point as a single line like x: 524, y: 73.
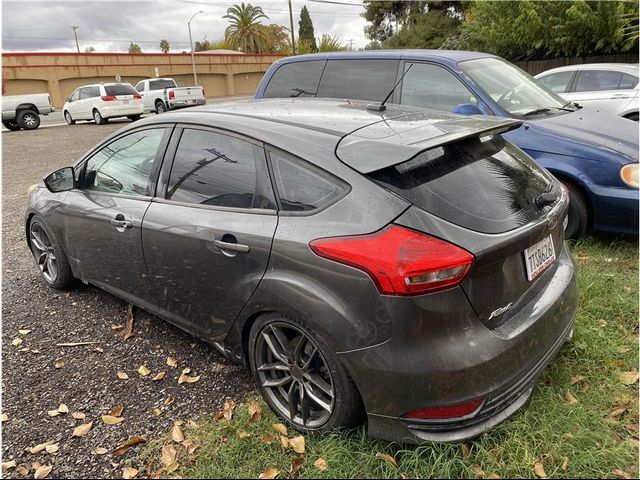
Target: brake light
x: 172, y: 95
x: 441, y: 413
x: 400, y: 261
x: 137, y: 96
x: 108, y: 98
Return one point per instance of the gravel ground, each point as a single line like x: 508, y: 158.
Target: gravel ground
x: 31, y: 383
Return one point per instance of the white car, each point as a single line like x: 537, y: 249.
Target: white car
x: 609, y: 87
x: 102, y: 101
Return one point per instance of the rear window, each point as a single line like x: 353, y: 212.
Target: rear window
x: 119, y: 89
x: 161, y: 84
x: 299, y: 79
x: 358, y: 79
x: 488, y: 186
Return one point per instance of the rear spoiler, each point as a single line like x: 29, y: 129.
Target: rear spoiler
x: 395, y: 140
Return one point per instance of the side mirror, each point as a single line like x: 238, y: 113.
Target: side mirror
x: 467, y: 109
x: 61, y: 180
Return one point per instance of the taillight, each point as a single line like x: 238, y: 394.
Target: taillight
x: 441, y: 413
x: 400, y: 261
x: 172, y: 95
x: 137, y: 96
x: 108, y: 98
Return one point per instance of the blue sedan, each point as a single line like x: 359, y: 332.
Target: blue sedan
x: 594, y: 154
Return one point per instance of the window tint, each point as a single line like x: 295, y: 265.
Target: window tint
x: 303, y: 187
x: 434, y: 87
x: 75, y: 96
x: 215, y: 169
x: 358, y: 79
x: 161, y: 84
x: 557, y: 81
x: 595, y: 80
x: 85, y: 93
x: 119, y: 89
x: 299, y: 79
x: 94, y: 92
x: 125, y: 165
x: 628, y: 81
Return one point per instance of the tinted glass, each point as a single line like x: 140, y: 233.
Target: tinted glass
x: 125, y: 165
x: 488, y: 186
x: 431, y: 86
x: 557, y: 81
x: 161, y: 84
x: 299, y: 79
x: 140, y: 87
x: 302, y: 187
x: 595, y: 80
x: 94, y: 92
x: 85, y: 93
x: 119, y: 89
x: 358, y: 79
x: 215, y: 169
x: 628, y: 81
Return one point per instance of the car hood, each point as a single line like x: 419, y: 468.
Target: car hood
x: 584, y: 133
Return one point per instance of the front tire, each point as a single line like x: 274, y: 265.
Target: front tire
x: 11, y: 125
x: 97, y: 117
x: 28, y: 119
x: 49, y: 255
x: 68, y: 118
x: 300, y: 377
x: 578, y: 214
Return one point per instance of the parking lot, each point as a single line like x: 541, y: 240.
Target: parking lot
x: 32, y: 384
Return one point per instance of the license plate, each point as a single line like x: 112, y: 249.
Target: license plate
x: 190, y: 102
x: 125, y: 100
x: 538, y: 257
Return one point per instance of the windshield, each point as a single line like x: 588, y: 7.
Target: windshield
x: 514, y: 90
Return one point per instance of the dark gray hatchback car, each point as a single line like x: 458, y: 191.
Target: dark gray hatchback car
x: 404, y: 264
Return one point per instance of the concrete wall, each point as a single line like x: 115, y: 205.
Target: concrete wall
x: 60, y: 73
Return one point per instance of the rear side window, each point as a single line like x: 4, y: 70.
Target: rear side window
x: 298, y: 79
x: 358, y: 79
x: 557, y: 81
x: 85, y: 93
x: 161, y: 84
x: 628, y: 82
x: 596, y: 80
x: 303, y: 187
x: 119, y: 89
x: 488, y: 186
x: 219, y: 170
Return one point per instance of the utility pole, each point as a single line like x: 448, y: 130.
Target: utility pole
x: 293, y: 39
x: 193, y: 58
x: 351, y: 44
x: 75, y: 33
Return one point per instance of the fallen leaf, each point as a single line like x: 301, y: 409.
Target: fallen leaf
x: 63, y: 408
x: 577, y: 378
x: 52, y: 448
x: 111, y: 420
x: 297, y: 443
x: 122, y: 449
x: 129, y: 472
x: 189, y: 446
x: 168, y: 455
x: 296, y: 465
x: 629, y: 378
x: 117, y: 326
x: 22, y: 470
x: 475, y: 468
x: 243, y: 434
x: 169, y: 400
x: 321, y: 464
x: 39, y: 448
x: 254, y: 410
x: 623, y: 349
x: 43, y: 471
x: 570, y: 399
x: 16, y: 341
x: 228, y: 409
x: 53, y: 413
x: 267, y: 439
x: 159, y: 376
x: 280, y: 428
x: 172, y: 362
x: 156, y: 411
x: 129, y: 330
x: 539, y: 469
x: 387, y: 458
x: 567, y: 436
x: 98, y: 349
x: 565, y: 464
x: 186, y: 378
x: 8, y: 465
x: 618, y: 412
x: 465, y: 451
x: 101, y: 451
x: 494, y: 476
x: 122, y: 376
x: 269, y: 473
x: 24, y: 331
x: 176, y: 434
x: 143, y: 370
x: 186, y: 371
x: 117, y: 411
x: 78, y: 415
x: 284, y: 442
x: 173, y: 467
x: 59, y: 364
x: 616, y: 472
x: 4, y: 417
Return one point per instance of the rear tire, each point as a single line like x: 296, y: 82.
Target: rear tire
x: 11, y: 125
x: 160, y: 107
x: 134, y: 118
x: 313, y: 368
x: 28, y: 119
x: 68, y: 118
x: 578, y: 213
x: 97, y: 117
x: 49, y: 255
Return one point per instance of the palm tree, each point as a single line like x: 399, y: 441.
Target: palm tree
x: 244, y: 32
x: 164, y: 46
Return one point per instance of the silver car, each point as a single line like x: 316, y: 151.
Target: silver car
x: 609, y: 87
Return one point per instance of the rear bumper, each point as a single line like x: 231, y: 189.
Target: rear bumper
x: 185, y: 103
x: 434, y: 361
x: 615, y: 209
x: 122, y: 110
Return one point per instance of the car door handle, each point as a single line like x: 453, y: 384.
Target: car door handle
x: 232, y: 247
x: 119, y: 222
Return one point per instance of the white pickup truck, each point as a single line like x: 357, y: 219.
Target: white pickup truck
x: 23, y: 111
x: 162, y: 94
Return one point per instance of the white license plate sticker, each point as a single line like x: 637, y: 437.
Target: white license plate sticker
x: 538, y: 257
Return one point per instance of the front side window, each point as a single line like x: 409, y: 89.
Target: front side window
x: 430, y: 86
x: 302, y: 187
x: 557, y: 81
x: 219, y: 170
x: 75, y: 96
x: 297, y: 79
x: 358, y: 79
x: 124, y: 166
x: 140, y: 87
x: 597, y: 80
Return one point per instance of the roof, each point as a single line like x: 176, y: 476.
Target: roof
x: 363, y: 139
x: 417, y: 54
x: 617, y: 67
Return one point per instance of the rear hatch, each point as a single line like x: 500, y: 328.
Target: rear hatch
x: 480, y: 192
x: 189, y: 95
x: 121, y: 93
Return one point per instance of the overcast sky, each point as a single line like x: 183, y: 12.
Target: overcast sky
x: 110, y: 25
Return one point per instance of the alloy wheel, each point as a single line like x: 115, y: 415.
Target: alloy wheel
x: 29, y: 120
x: 97, y: 117
x: 67, y: 117
x: 43, y: 252
x: 294, y: 375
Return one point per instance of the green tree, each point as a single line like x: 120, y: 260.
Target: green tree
x: 134, y: 48
x: 164, y: 46
x: 305, y: 29
x: 244, y: 32
x: 330, y: 43
x: 89, y: 50
x: 428, y: 30
x: 277, y: 39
